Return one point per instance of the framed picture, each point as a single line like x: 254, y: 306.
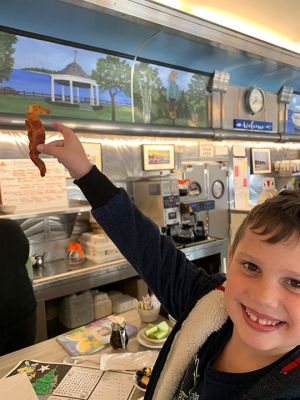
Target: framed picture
x: 158, y: 157
x: 261, y: 161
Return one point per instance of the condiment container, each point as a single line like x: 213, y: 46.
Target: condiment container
x: 119, y: 337
x: 102, y: 305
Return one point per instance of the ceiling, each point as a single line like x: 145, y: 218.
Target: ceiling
x: 156, y: 31
x: 275, y: 21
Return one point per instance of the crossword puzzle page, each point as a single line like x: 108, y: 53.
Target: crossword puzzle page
x: 70, y: 382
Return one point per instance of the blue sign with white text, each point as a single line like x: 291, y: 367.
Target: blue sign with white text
x: 252, y: 125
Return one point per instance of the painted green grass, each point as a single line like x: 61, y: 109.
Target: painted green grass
x: 19, y: 105
x: 12, y: 104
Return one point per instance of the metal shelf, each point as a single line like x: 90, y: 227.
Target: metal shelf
x: 73, y: 209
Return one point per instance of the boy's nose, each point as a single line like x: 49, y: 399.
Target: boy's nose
x: 266, y: 294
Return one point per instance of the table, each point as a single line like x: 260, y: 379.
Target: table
x: 51, y: 351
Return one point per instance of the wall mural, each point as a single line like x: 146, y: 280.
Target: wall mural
x: 79, y: 83
x: 293, y: 117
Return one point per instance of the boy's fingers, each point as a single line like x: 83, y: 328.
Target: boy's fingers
x: 57, y: 143
x: 52, y: 149
x: 63, y: 129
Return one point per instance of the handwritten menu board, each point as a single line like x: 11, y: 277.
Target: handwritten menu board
x: 22, y: 186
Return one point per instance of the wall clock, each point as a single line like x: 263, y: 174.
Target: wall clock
x: 255, y: 100
x: 217, y: 189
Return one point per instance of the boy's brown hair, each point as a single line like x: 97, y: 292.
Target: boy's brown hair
x: 278, y: 217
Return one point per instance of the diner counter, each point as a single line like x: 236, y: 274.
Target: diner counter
x: 51, y: 351
x: 59, y: 278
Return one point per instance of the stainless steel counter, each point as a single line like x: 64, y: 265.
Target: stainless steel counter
x: 59, y: 278
x: 207, y: 248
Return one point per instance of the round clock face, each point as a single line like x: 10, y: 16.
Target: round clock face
x: 217, y: 189
x: 255, y: 100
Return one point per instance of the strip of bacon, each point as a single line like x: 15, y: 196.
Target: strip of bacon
x: 36, y: 134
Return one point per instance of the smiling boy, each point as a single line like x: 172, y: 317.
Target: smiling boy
x: 233, y: 340
x: 262, y: 294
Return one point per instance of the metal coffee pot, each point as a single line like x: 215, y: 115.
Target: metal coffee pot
x: 186, y: 234
x: 200, y: 231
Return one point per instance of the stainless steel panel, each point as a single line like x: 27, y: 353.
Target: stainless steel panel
x: 208, y: 248
x: 150, y: 205
x: 234, y: 108
x: 197, y: 173
x: 218, y: 219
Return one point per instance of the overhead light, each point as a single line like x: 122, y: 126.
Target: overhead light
x: 219, y: 82
x: 285, y: 94
x: 242, y: 24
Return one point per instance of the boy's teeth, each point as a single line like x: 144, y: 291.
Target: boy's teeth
x: 263, y: 321
x: 252, y: 316
x: 260, y: 321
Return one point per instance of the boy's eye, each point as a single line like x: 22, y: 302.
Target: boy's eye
x: 250, y: 267
x: 294, y: 283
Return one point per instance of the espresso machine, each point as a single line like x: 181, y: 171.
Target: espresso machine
x: 158, y: 198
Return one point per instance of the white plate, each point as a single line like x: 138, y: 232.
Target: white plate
x: 154, y: 341
x: 144, y: 342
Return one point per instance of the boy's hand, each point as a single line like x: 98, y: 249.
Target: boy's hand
x: 68, y: 151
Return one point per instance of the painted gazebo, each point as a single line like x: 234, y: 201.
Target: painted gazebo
x: 74, y: 77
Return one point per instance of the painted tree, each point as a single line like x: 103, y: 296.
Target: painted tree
x: 147, y: 85
x: 7, y: 40
x: 197, y: 95
x: 43, y: 386
x: 112, y: 74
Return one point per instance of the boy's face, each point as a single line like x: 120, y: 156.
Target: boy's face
x: 262, y: 295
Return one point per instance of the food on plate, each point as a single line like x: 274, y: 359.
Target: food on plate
x: 36, y: 134
x: 158, y: 331
x: 143, y: 377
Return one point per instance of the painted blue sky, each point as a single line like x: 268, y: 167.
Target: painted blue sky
x: 36, y: 53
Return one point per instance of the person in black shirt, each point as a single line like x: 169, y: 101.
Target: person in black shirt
x: 17, y: 304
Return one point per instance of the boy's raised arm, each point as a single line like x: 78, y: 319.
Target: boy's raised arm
x: 69, y: 151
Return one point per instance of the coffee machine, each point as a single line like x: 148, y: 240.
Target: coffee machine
x: 158, y: 198
x: 211, y: 178
x: 194, y: 218
x: 184, y: 217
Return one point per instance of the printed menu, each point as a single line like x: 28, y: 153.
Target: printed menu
x: 22, y: 186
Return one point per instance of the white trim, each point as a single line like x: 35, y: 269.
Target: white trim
x: 208, y: 316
